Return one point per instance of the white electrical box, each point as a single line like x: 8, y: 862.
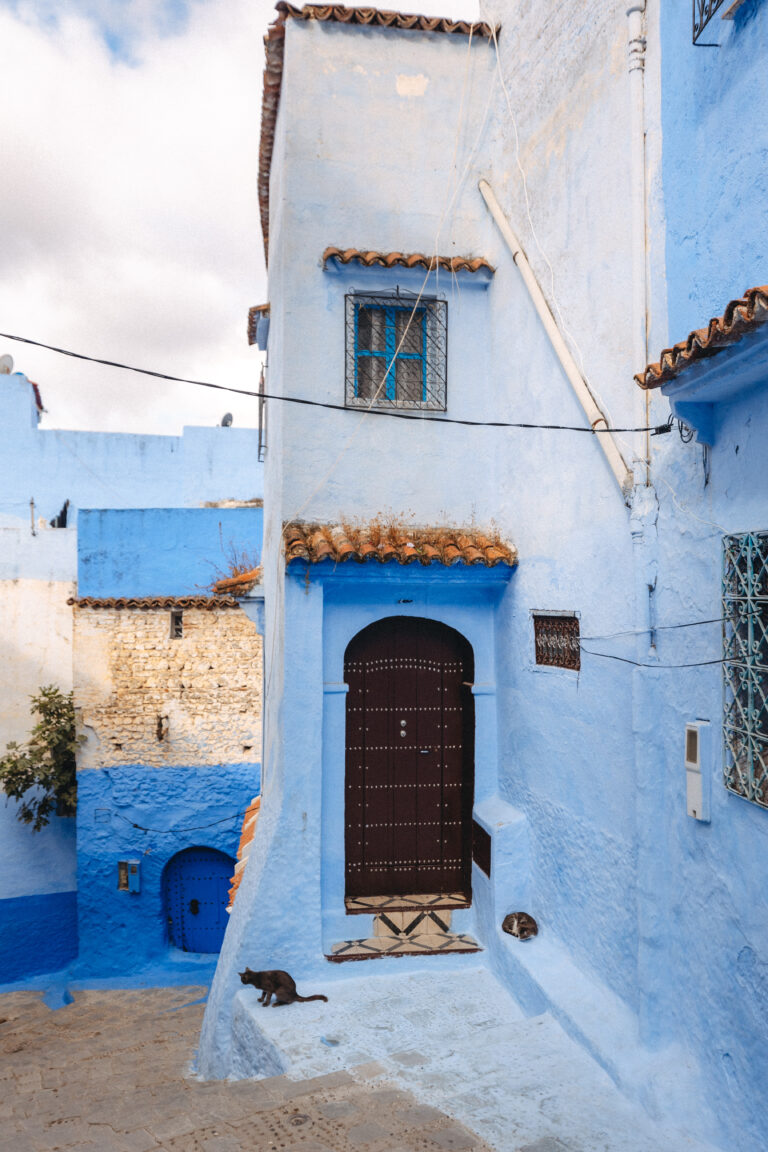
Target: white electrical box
x: 697, y: 770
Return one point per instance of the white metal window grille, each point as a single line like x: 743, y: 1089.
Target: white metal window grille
x: 745, y: 665
x: 396, y: 352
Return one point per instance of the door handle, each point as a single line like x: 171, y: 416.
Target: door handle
x: 194, y: 907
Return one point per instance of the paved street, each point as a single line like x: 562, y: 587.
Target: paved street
x: 110, y: 1072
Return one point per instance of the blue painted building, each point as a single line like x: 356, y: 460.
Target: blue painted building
x: 612, y: 794
x: 170, y: 545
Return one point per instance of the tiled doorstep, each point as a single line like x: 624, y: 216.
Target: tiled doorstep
x: 422, y: 945
x: 356, y: 905
x: 457, y: 1040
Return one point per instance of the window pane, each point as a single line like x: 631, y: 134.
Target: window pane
x: 409, y: 383
x: 370, y: 374
x: 410, y: 330
x: 371, y: 329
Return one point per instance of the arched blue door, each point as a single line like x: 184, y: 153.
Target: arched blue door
x: 195, y: 887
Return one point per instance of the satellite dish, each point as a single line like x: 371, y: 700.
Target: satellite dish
x: 6, y: 364
x: 226, y: 420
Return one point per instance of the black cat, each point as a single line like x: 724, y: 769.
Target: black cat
x: 278, y: 984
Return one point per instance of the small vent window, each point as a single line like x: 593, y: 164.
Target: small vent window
x: 557, y: 641
x: 177, y: 624
x: 745, y: 665
x: 691, y: 746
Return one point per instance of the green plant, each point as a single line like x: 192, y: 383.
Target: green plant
x: 41, y: 774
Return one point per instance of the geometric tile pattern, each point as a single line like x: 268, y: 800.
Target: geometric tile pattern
x: 415, y: 931
x: 358, y: 905
x: 745, y: 665
x: 429, y: 944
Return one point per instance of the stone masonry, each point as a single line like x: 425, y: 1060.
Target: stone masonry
x: 145, y: 697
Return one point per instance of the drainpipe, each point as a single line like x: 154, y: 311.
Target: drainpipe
x: 636, y: 62
x: 596, y: 418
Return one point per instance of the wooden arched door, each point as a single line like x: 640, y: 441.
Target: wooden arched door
x: 409, y: 760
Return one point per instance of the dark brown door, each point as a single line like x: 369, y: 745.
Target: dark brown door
x: 409, y: 759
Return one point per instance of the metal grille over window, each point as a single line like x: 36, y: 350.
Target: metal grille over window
x: 704, y: 10
x: 557, y: 641
x: 745, y: 665
x: 396, y: 352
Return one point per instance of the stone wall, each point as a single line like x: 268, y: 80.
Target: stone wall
x: 146, y: 698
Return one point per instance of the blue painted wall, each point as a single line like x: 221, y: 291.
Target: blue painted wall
x: 703, y: 960
x: 38, y: 898
x: 162, y: 551
x: 121, y: 932
x: 39, y: 934
x: 115, y: 470
x: 715, y: 161
x: 152, y: 553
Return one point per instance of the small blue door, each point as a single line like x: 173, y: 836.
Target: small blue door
x: 196, y: 884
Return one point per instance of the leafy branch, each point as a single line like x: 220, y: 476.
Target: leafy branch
x: 42, y: 774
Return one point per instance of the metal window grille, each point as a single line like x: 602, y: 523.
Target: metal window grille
x: 704, y: 10
x: 745, y: 666
x: 557, y: 641
x: 396, y: 352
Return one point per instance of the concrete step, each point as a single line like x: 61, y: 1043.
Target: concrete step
x: 459, y: 1042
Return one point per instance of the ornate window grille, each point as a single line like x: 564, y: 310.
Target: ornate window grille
x: 704, y: 10
x: 396, y: 352
x: 745, y: 665
x: 557, y: 641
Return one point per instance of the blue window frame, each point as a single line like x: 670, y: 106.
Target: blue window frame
x: 396, y: 352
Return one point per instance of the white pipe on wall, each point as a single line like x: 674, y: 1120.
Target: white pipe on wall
x: 596, y: 418
x: 636, y: 59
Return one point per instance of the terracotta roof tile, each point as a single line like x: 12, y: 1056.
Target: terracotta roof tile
x: 146, y: 602
x: 739, y: 319
x: 274, y: 44
x: 382, y: 19
x: 38, y: 398
x: 246, y: 840
x: 253, y: 319
x: 238, y: 585
x: 413, y: 260
x: 393, y: 543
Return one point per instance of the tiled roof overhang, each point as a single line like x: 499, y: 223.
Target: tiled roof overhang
x: 147, y: 602
x: 313, y: 543
x: 412, y: 260
x: 274, y: 44
x: 254, y: 314
x: 739, y: 319
x: 238, y: 585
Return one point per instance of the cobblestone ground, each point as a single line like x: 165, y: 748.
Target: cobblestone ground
x: 110, y: 1073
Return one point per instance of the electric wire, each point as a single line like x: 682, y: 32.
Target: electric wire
x: 174, y: 831
x: 658, y: 429
x: 656, y: 628
x: 642, y: 664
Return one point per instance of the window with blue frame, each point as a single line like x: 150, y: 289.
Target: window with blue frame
x: 745, y: 665
x: 396, y: 352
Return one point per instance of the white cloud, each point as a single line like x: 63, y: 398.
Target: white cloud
x: 129, y: 223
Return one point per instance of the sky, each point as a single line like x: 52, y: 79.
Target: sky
x: 129, y: 223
